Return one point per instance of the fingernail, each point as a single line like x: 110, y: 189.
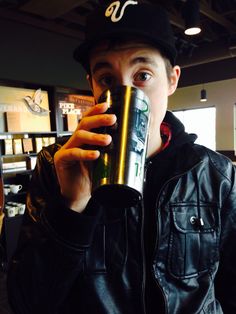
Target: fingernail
x: 93, y: 154
x: 102, y: 104
x: 106, y: 137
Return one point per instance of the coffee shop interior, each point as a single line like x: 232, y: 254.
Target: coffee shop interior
x: 43, y: 91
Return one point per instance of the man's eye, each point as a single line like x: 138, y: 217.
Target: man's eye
x: 142, y: 76
x: 106, y: 81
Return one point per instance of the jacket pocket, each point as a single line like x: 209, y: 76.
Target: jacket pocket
x: 194, y: 239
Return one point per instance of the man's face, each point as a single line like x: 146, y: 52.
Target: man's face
x: 140, y: 66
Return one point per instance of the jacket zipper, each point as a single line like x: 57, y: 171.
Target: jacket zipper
x: 157, y: 243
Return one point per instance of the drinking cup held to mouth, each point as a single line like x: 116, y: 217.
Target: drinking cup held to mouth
x: 118, y: 175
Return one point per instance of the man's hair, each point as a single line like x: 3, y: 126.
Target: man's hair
x: 168, y: 66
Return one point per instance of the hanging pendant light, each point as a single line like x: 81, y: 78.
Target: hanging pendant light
x: 191, y: 15
x: 203, y: 95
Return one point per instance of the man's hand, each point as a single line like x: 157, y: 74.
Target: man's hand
x: 72, y: 161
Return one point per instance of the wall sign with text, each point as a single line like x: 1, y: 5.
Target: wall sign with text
x: 24, y: 110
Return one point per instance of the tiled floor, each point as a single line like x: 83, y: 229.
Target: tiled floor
x: 4, y: 306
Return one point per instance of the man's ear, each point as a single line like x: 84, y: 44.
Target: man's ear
x: 174, y: 79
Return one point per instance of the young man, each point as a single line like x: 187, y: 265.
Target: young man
x: 174, y: 252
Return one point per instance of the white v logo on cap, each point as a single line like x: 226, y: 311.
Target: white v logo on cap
x: 114, y: 7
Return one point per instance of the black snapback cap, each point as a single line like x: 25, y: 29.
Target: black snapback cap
x: 148, y: 22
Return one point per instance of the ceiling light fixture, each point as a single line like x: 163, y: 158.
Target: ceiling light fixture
x: 203, y: 95
x: 191, y: 15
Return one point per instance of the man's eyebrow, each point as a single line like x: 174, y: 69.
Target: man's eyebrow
x: 145, y: 60
x: 101, y: 65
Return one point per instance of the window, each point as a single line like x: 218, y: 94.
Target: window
x: 201, y: 122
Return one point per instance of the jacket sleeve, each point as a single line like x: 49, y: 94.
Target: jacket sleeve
x: 53, y: 240
x: 226, y: 276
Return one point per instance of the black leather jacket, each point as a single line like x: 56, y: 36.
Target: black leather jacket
x: 94, y: 262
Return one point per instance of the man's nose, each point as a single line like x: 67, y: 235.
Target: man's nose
x: 124, y: 80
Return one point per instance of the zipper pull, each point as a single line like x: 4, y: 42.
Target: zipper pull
x: 200, y: 222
